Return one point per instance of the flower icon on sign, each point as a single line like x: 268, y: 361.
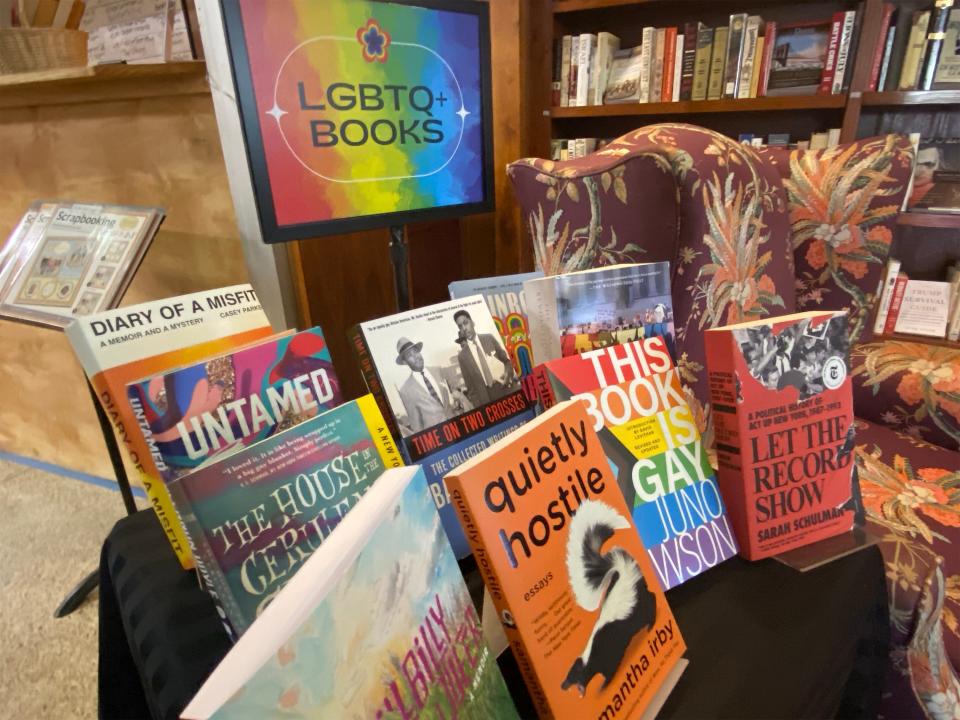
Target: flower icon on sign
x: 374, y: 40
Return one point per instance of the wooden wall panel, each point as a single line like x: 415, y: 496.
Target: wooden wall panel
x: 160, y: 151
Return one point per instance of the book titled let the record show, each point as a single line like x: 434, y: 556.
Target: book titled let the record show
x: 783, y: 414
x: 583, y: 610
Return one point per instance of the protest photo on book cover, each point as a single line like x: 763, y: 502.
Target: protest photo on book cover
x: 807, y: 358
x: 441, y: 362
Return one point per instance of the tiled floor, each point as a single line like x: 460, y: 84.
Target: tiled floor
x: 51, y: 529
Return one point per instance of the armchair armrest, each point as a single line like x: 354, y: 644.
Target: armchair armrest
x: 910, y: 386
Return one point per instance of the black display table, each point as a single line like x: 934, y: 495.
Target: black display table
x: 764, y: 641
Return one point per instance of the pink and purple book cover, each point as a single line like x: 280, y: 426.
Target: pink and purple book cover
x: 202, y: 411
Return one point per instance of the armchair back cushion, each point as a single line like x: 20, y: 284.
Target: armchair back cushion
x: 843, y: 205
x: 712, y: 207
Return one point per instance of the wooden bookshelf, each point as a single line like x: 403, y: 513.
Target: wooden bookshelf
x: 103, y: 83
x: 767, y: 104
x: 911, y: 97
x: 929, y: 219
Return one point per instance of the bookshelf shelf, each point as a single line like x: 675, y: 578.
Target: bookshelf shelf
x: 797, y: 102
x: 911, y: 97
x: 102, y: 83
x: 565, y: 6
x: 941, y: 342
x: 929, y: 219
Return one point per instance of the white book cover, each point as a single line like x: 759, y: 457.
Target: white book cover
x: 677, y: 69
x: 584, y: 69
x: 886, y: 294
x: 646, y: 61
x: 623, y: 84
x: 843, y: 51
x: 925, y: 309
x: 751, y: 32
x: 656, y: 80
x: 607, y: 45
x: 566, y: 47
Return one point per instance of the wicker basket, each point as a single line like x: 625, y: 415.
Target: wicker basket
x: 34, y: 49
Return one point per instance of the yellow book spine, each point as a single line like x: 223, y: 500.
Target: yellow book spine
x: 757, y: 60
x: 380, y: 432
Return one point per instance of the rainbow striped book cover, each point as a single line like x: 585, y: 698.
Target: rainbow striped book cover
x: 197, y: 412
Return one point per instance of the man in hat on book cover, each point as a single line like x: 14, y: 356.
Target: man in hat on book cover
x: 424, y: 393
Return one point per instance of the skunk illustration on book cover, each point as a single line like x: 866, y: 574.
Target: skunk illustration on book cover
x: 119, y: 346
x: 586, y: 617
x: 197, y: 412
x: 634, y: 396
x: 443, y: 376
x: 377, y: 624
x: 254, y: 516
x: 783, y: 409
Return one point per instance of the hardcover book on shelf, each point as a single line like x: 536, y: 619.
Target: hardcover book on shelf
x: 119, y: 346
x: 701, y: 66
x: 783, y: 420
x: 647, y: 47
x: 718, y: 56
x: 936, y: 176
x: 198, y: 411
x: 633, y: 395
x: 377, y: 623
x: 565, y: 61
x: 925, y: 309
x: 508, y: 306
x: 73, y: 260
x: 581, y: 606
x: 607, y: 45
x: 595, y: 308
x: 443, y: 377
x: 885, y: 296
x: 913, y: 54
x: 751, y: 32
x: 880, y: 62
x: 656, y: 77
x: 798, y: 58
x: 254, y: 516
x: 947, y: 75
x: 936, y: 33
x: 623, y: 83
x: 670, y: 74
x: 736, y: 39
x: 689, y: 58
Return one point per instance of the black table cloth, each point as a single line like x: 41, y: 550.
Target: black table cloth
x: 764, y: 641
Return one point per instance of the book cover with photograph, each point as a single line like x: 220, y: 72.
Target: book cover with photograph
x: 936, y: 176
x: 798, y: 58
x: 120, y: 346
x: 256, y: 515
x: 443, y: 375
x: 597, y: 308
x: 639, y: 409
x: 783, y: 419
x: 378, y: 623
x: 583, y: 610
x: 198, y: 411
x: 77, y: 261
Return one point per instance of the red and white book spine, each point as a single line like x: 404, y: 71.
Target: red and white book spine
x: 881, y: 47
x: 895, y: 302
x: 887, y: 284
x: 830, y: 66
x: 769, y: 40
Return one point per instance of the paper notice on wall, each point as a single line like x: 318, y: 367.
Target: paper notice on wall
x: 135, y: 31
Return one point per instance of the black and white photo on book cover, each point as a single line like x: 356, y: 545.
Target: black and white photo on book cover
x: 439, y: 362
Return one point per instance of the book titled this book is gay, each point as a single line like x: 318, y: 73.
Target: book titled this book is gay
x: 579, y: 600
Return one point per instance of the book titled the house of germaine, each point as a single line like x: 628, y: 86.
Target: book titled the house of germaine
x: 442, y: 375
x: 195, y: 412
x: 634, y: 397
x: 118, y: 346
x: 597, y: 308
x: 508, y: 306
x: 583, y: 610
x: 377, y: 623
x: 254, y: 516
x: 783, y: 413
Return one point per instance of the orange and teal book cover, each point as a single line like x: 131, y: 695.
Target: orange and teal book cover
x: 118, y: 346
x: 783, y: 414
x: 639, y: 409
x: 579, y: 600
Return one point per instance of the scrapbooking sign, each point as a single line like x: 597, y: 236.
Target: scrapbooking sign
x: 361, y: 114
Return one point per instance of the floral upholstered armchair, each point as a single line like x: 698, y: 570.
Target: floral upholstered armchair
x: 754, y: 233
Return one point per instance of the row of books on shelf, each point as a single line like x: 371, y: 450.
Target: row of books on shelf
x: 750, y: 58
x: 572, y: 148
x: 554, y: 441
x: 918, y: 307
